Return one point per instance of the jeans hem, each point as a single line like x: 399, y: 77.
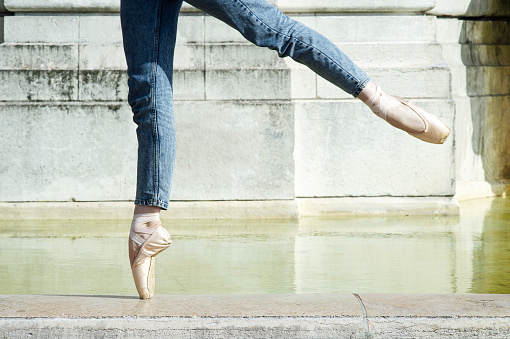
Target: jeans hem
x: 156, y: 203
x: 361, y: 87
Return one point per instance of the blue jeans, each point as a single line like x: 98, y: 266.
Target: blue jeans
x: 149, y: 31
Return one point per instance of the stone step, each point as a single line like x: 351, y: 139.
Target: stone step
x: 34, y: 85
x: 102, y: 56
x: 427, y: 82
x: 39, y: 57
x: 343, y: 28
x: 206, y: 29
x: 220, y: 84
x: 242, y: 56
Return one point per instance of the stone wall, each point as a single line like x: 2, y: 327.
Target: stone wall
x: 251, y: 126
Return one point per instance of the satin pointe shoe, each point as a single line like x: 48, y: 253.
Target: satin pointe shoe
x: 427, y: 128
x: 143, y: 259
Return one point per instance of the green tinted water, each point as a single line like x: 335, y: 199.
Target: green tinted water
x: 465, y: 254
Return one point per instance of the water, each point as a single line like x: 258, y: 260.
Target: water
x: 469, y: 253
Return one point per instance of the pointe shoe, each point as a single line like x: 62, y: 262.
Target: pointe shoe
x: 386, y: 107
x: 143, y: 263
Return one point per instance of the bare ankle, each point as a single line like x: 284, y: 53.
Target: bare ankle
x: 368, y: 91
x: 139, y: 209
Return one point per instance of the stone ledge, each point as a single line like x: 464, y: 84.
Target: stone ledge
x: 260, y: 327
x: 263, y: 305
x: 293, y: 316
x: 294, y: 6
x: 335, y: 207
x: 269, y: 209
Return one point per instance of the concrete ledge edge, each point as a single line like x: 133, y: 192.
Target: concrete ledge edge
x: 363, y: 206
x: 256, y: 306
x: 233, y: 316
x: 255, y: 210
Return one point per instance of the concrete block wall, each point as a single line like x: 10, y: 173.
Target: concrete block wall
x: 250, y: 126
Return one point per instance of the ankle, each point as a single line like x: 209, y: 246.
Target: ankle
x: 367, y: 92
x: 139, y: 209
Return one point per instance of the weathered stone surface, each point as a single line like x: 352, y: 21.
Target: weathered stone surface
x: 1, y: 28
x: 37, y: 85
x: 485, y: 32
x: 189, y: 57
x: 488, y: 81
x: 38, y: 57
x: 226, y: 151
x: 490, y: 137
x: 69, y: 6
x: 104, y: 56
x: 189, y: 85
x: 100, y: 29
x: 361, y: 155
x: 426, y: 82
x: 340, y: 29
x: 375, y: 206
x: 123, y: 210
x: 393, y: 55
x: 356, y: 6
x: 61, y: 5
x: 234, y: 151
x: 62, y: 29
x: 36, y: 29
x: 191, y: 29
x: 263, y: 305
x: 64, y: 152
x: 241, y: 56
x: 285, y: 5
x: 106, y: 28
x: 473, y: 8
x: 102, y: 85
x: 79, y: 57
x: 382, y: 55
x: 486, y: 55
x: 247, y: 84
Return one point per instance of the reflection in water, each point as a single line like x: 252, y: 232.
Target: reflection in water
x: 466, y: 254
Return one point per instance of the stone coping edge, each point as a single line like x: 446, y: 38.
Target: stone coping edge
x: 111, y: 6
x: 255, y: 210
x: 263, y: 305
x: 257, y: 316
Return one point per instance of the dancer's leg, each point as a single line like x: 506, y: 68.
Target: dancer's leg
x: 267, y: 26
x: 149, y: 30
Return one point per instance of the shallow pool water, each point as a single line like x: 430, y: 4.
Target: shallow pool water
x: 469, y: 253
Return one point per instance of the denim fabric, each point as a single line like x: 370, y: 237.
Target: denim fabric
x: 149, y: 30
